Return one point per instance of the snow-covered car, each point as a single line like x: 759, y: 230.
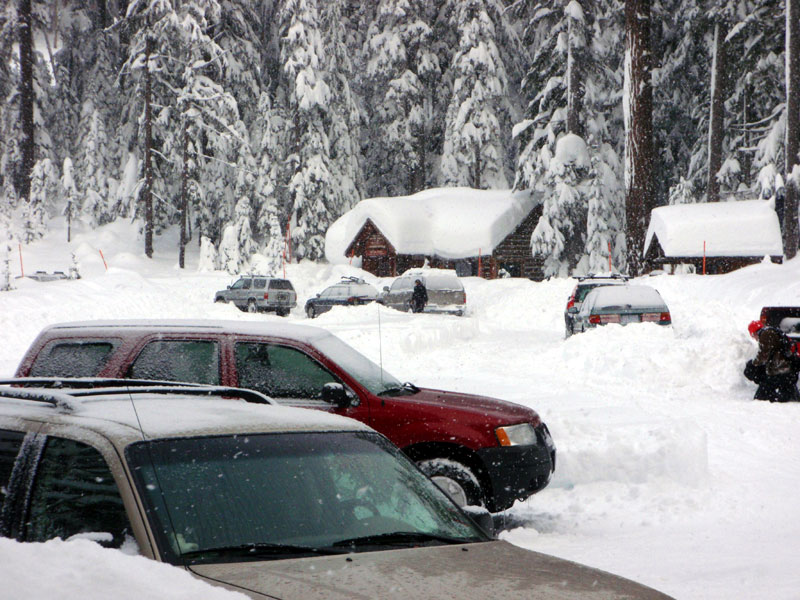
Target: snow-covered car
x: 265, y: 500
x: 445, y: 291
x: 350, y: 291
x: 585, y: 285
x: 621, y: 304
x: 256, y: 293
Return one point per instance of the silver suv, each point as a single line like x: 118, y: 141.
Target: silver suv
x: 255, y: 293
x: 269, y: 501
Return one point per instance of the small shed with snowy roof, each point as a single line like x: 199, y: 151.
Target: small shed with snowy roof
x: 472, y: 231
x: 727, y: 235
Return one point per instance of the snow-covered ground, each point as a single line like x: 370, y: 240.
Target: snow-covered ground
x: 668, y: 472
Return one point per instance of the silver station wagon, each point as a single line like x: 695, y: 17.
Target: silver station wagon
x: 445, y: 291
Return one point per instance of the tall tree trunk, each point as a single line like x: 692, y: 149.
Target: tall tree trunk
x: 148, y: 143
x: 638, y: 113
x: 184, y: 196
x: 790, y: 233
x: 575, y: 90
x: 26, y: 92
x: 716, y: 117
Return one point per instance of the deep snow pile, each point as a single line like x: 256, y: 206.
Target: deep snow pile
x: 668, y: 472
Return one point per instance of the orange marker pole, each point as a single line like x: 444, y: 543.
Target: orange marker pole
x: 104, y: 259
x: 480, y: 264
x: 704, y: 257
x: 609, y: 257
x: 21, y: 268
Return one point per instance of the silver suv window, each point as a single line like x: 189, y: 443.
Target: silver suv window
x: 74, y: 494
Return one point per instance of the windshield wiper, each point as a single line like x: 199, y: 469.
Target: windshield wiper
x: 261, y: 550
x: 403, y: 388
x: 401, y: 538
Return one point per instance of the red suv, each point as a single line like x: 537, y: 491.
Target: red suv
x: 480, y: 450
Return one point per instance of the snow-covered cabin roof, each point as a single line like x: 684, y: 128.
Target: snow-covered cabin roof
x: 446, y: 222
x: 742, y: 228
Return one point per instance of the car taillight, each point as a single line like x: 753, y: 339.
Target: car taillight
x: 603, y: 319
x: 570, y: 302
x: 665, y: 318
x: 266, y: 295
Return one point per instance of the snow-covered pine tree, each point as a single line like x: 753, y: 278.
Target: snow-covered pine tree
x: 45, y: 186
x: 72, y: 203
x: 94, y: 166
x: 311, y: 186
x: 237, y: 243
x: 400, y: 66
x: 208, y: 255
x: 344, y: 131
x: 269, y: 135
x: 560, y: 235
x: 474, y: 152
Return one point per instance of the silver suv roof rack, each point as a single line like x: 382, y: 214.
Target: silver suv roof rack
x: 63, y: 392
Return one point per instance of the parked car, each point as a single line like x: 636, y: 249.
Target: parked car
x: 785, y: 318
x: 622, y: 304
x: 255, y: 293
x: 268, y: 501
x: 481, y: 450
x: 445, y: 291
x: 585, y: 285
x: 350, y: 291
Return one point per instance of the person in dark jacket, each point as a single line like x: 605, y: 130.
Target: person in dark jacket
x: 775, y: 367
x: 419, y: 297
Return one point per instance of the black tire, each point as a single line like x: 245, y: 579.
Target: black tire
x: 220, y: 300
x: 251, y: 306
x: 454, y: 479
x: 282, y: 312
x: 310, y: 312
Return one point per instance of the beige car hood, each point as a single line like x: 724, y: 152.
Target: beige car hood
x: 480, y: 571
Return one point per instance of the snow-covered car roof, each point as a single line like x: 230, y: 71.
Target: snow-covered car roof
x: 164, y: 415
x: 740, y: 228
x: 625, y: 296
x: 445, y: 279
x: 306, y: 333
x: 446, y: 222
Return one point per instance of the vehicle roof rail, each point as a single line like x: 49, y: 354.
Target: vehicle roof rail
x: 57, y: 399
x: 89, y: 382
x: 71, y: 388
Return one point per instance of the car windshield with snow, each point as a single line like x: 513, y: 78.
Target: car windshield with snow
x: 266, y: 500
x: 445, y: 291
x: 481, y: 450
x: 351, y: 291
x: 622, y: 304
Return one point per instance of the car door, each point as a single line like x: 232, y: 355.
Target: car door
x: 290, y: 375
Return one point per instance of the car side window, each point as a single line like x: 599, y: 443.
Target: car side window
x: 196, y: 361
x: 74, y: 494
x: 72, y: 359
x: 246, y: 284
x: 238, y: 284
x: 10, y: 442
x: 260, y: 283
x: 280, y: 371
